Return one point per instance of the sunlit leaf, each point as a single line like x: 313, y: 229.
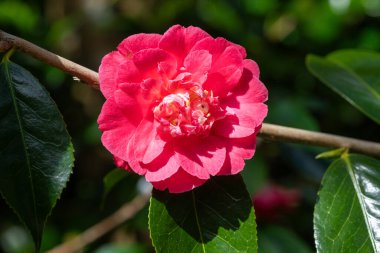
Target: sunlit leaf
x: 357, y: 82
x: 347, y: 216
x: 216, y: 217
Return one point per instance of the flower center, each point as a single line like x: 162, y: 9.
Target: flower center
x: 187, y: 112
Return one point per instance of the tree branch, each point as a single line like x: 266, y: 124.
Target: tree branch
x: 126, y: 212
x: 281, y: 133
x: 86, y: 75
x: 268, y: 131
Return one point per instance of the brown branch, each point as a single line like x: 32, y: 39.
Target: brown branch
x: 84, y: 74
x: 126, y: 212
x: 281, y: 133
x: 268, y: 131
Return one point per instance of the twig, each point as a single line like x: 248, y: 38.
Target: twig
x: 84, y: 74
x: 268, y: 131
x: 281, y: 133
x: 126, y: 212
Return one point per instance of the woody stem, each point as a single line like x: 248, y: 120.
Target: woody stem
x: 268, y: 131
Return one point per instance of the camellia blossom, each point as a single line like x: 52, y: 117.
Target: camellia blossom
x: 180, y: 107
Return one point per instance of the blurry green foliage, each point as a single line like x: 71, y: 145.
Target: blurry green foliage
x: 19, y: 15
x: 276, y: 34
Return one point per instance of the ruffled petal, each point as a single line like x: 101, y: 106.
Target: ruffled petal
x: 137, y: 42
x: 154, y: 149
x: 128, y: 73
x: 230, y: 127
x: 116, y: 128
x: 179, y: 40
x: 162, y: 167
x: 155, y: 63
x: 198, y: 63
x: 120, y: 163
x: 217, y: 46
x: 145, y: 134
x: 130, y: 106
x: 250, y: 88
x: 201, y: 158
x: 244, y: 121
x: 238, y: 150
x: 179, y: 182
x: 108, y: 70
x: 226, y: 69
x: 136, y: 98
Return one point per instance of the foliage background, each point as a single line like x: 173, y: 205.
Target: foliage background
x: 277, y: 34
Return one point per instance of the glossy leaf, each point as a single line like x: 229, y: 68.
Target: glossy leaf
x: 355, y: 82
x: 35, y: 150
x: 216, y: 217
x: 347, y: 216
x: 365, y: 64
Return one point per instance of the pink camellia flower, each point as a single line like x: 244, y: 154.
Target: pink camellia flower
x: 181, y: 107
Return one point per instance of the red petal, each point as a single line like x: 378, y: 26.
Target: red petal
x: 179, y: 40
x: 116, y: 127
x: 250, y: 89
x: 238, y: 150
x: 128, y: 73
x: 246, y: 119
x: 137, y: 42
x: 201, y: 158
x: 179, y: 182
x: 108, y: 72
x: 198, y: 63
x: 163, y: 167
x: 153, y: 63
x: 226, y: 71
x: 130, y: 106
x: 217, y: 46
x: 121, y: 163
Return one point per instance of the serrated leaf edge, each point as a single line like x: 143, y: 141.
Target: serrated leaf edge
x: 6, y: 60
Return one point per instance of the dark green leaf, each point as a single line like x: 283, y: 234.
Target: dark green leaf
x: 113, y: 177
x: 216, y: 217
x: 276, y: 239
x: 35, y: 150
x: 255, y: 174
x: 347, y: 216
x: 351, y: 81
x: 365, y: 64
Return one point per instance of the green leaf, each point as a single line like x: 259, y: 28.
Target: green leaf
x: 113, y: 177
x: 35, y: 150
x: 275, y: 239
x: 332, y: 153
x: 365, y: 64
x: 216, y: 217
x: 357, y: 83
x: 347, y: 216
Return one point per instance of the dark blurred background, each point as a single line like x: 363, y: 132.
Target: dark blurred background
x: 284, y: 178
